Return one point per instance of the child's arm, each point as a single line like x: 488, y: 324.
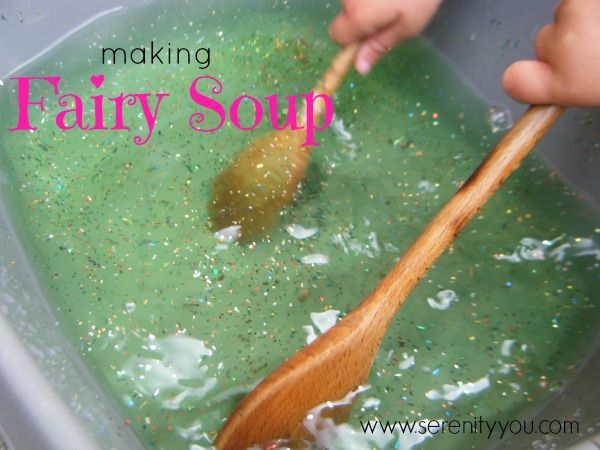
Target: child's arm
x: 567, y: 69
x: 380, y: 25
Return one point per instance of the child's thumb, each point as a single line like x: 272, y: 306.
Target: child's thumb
x: 531, y: 82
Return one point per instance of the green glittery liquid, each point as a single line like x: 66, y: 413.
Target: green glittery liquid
x: 177, y: 327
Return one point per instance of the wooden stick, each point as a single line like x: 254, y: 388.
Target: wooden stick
x: 466, y: 202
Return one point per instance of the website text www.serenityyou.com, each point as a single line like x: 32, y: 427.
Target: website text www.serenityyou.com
x: 491, y: 428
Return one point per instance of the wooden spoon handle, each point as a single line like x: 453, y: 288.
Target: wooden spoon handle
x: 331, y: 80
x: 452, y: 218
x: 337, y: 70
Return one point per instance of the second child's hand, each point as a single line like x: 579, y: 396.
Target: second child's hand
x: 567, y: 69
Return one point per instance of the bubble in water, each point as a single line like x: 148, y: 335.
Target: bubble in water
x: 499, y: 118
x: 426, y: 186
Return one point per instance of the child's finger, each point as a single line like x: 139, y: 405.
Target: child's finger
x: 531, y: 82
x: 544, y: 41
x: 374, y: 48
x: 568, y: 11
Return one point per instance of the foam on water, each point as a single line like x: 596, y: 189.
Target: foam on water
x: 445, y: 299
x: 455, y: 391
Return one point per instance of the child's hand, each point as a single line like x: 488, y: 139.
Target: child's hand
x: 380, y: 25
x: 567, y: 71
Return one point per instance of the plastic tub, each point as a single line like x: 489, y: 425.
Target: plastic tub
x: 48, y: 398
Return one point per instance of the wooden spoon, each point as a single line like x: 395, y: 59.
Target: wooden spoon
x: 265, y: 176
x: 340, y: 360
